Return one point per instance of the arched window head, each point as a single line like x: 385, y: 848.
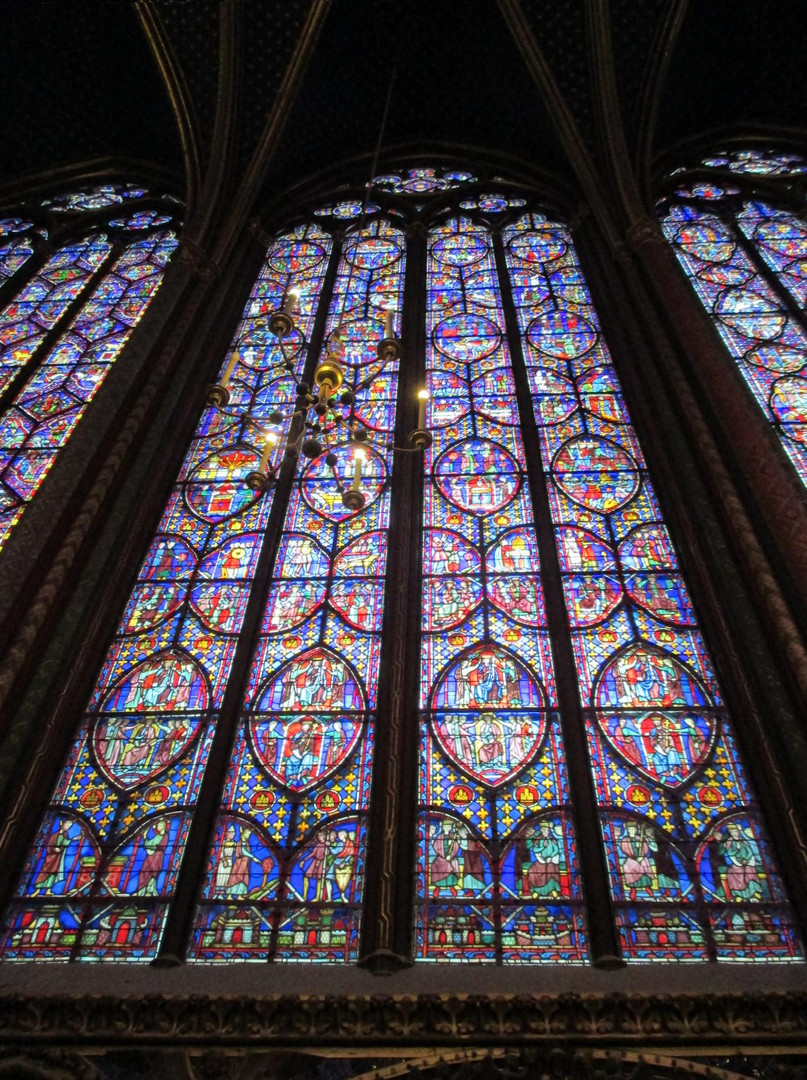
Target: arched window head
x: 466, y: 491
x: 735, y: 228
x: 77, y: 271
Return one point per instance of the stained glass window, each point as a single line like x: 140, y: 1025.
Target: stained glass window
x: 64, y: 327
x: 215, y: 803
x: 747, y: 261
x: 285, y: 878
x: 691, y: 873
x: 497, y: 864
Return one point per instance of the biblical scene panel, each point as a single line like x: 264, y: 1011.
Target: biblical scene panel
x: 761, y: 329
x: 691, y: 874
x: 104, y: 864
x: 286, y: 872
x: 497, y: 865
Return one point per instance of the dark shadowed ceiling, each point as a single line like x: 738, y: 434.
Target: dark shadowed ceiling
x: 156, y: 82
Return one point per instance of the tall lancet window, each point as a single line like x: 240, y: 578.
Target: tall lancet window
x: 76, y: 274
x: 745, y: 252
x: 577, y: 768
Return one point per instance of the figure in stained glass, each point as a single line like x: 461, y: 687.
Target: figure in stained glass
x: 646, y: 862
x: 163, y: 683
x: 325, y: 870
x: 735, y: 869
x: 300, y: 750
x: 542, y: 862
x: 244, y: 864
x: 457, y: 864
x: 65, y: 861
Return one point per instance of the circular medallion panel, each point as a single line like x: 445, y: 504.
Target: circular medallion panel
x: 562, y: 334
x: 295, y: 256
x: 539, y: 246
x: 217, y: 489
x: 751, y: 314
x: 596, y: 473
x: 372, y: 252
x: 477, y: 475
x: 705, y: 243
x: 467, y: 337
x: 462, y: 249
x: 780, y: 358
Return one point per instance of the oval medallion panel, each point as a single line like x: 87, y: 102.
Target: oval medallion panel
x: 317, y: 679
x: 300, y: 751
x: 595, y: 473
x: 132, y: 749
x: 460, y: 250
x: 655, y: 714
x: 477, y: 475
x: 467, y: 337
x: 163, y: 683
x: 489, y: 714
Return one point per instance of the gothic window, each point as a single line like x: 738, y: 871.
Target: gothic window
x: 745, y: 253
x: 577, y: 761
x: 76, y: 274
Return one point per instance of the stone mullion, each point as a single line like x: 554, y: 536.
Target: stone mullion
x: 389, y: 890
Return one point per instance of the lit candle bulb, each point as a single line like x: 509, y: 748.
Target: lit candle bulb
x: 423, y: 397
x: 268, y: 446
x: 291, y: 305
x: 359, y: 454
x: 389, y: 325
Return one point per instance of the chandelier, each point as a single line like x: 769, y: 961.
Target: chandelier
x: 324, y: 412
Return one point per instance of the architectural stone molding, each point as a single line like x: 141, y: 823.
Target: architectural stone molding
x: 691, y: 1021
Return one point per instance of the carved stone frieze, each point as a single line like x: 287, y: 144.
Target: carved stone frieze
x: 424, y: 1020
